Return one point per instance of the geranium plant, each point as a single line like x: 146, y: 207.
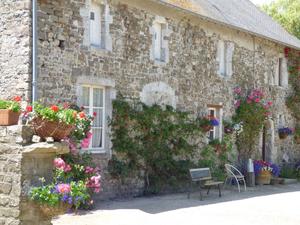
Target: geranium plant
x: 251, y: 112
x: 13, y: 105
x: 208, y: 122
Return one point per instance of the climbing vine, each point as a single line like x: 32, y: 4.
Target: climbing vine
x: 251, y: 112
x: 293, y: 102
x: 160, y: 142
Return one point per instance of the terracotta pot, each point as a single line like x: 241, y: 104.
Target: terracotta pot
x: 283, y: 135
x: 8, y: 117
x: 264, y: 177
x: 57, y: 130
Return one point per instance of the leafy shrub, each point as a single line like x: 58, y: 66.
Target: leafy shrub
x: 13, y: 105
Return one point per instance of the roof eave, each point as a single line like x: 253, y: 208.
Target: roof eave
x: 226, y: 24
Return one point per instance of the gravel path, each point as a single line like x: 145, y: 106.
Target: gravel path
x: 266, y: 205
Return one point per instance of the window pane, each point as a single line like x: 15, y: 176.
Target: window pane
x: 98, y: 121
x: 85, y: 96
x: 97, y: 138
x: 98, y: 97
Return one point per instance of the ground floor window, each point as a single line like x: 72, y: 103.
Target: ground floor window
x: 215, y: 111
x: 93, y: 100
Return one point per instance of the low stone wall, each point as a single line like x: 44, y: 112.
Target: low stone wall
x: 22, y: 163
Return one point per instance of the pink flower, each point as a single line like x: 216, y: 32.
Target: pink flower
x: 89, y: 169
x: 270, y: 103
x: 257, y: 100
x: 59, y: 163
x: 94, y: 183
x: 249, y: 101
x: 67, y: 168
x: 237, y: 103
x: 238, y: 90
x: 63, y: 188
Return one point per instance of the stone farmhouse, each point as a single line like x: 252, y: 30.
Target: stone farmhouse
x: 186, y: 53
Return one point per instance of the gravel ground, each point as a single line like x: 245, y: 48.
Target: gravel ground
x: 264, y: 205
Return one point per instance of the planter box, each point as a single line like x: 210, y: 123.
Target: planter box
x: 289, y: 181
x: 277, y: 180
x: 283, y: 136
x: 8, y: 117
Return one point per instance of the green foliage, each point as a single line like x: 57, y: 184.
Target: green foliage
x: 153, y: 140
x: 251, y: 113
x: 45, y: 195
x: 289, y: 172
x: 12, y: 105
x: 216, y: 155
x: 285, y: 12
x: 56, y: 113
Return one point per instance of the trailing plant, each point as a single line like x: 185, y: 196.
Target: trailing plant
x: 216, y: 158
x: 74, y: 181
x: 13, y: 105
x: 152, y: 139
x: 251, y: 112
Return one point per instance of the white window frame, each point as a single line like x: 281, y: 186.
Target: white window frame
x: 91, y: 111
x: 214, y: 129
x: 225, y: 51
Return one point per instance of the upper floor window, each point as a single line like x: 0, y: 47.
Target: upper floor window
x: 99, y: 21
x: 93, y: 100
x: 159, y: 50
x: 224, y: 58
x: 282, y: 72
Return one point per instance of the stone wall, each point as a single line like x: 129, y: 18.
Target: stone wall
x: 190, y: 75
x: 15, y: 50
x: 21, y: 165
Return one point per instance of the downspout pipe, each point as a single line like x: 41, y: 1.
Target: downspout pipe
x: 34, y: 51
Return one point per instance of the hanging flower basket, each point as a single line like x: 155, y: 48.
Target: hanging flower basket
x: 206, y: 128
x: 57, y: 130
x: 283, y: 136
x: 297, y: 139
x: 8, y: 117
x: 53, y: 211
x: 264, y: 177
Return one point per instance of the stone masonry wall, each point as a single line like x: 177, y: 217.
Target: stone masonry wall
x: 191, y: 71
x: 15, y: 50
x: 22, y: 163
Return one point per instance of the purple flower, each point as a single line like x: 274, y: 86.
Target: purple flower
x: 214, y: 122
x: 70, y: 200
x: 65, y: 198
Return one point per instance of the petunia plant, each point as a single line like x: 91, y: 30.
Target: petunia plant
x: 13, y: 105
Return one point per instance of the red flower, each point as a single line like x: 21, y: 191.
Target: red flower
x: 55, y: 108
x: 94, y: 114
x: 17, y: 98
x: 82, y: 115
x: 287, y: 51
x: 29, y: 108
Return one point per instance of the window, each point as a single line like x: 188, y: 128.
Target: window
x: 224, y: 58
x: 216, y: 132
x: 212, y: 132
x: 93, y: 100
x: 281, y: 121
x: 99, y: 22
x: 282, y: 72
x: 159, y: 50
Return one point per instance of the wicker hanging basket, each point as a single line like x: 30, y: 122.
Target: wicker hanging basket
x: 206, y: 128
x: 53, y: 211
x: 8, y: 117
x: 283, y: 135
x: 57, y: 130
x: 264, y: 177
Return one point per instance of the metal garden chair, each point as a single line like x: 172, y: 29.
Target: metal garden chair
x: 234, y: 174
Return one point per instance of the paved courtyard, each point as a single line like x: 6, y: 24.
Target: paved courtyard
x: 267, y: 205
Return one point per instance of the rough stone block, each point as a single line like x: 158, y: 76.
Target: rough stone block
x: 5, y: 188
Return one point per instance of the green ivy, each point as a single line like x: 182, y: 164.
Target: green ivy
x: 154, y: 140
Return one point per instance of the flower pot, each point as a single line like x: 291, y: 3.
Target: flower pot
x: 206, y: 128
x: 57, y: 130
x: 283, y: 135
x: 52, y: 211
x: 8, y: 117
x: 297, y: 140
x: 264, y: 177
x: 228, y: 130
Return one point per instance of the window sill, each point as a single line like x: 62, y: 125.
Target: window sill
x: 99, y: 49
x: 159, y: 62
x: 94, y: 151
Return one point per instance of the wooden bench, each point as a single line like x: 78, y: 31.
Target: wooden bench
x: 200, y: 175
